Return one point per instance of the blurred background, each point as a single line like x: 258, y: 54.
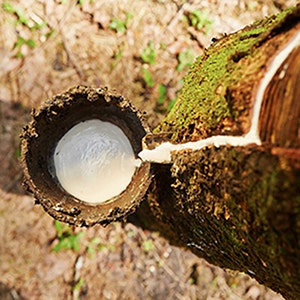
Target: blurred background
x: 142, y: 49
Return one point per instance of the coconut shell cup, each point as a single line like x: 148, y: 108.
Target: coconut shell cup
x: 41, y: 136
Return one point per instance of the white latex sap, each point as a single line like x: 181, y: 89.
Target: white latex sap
x: 94, y: 161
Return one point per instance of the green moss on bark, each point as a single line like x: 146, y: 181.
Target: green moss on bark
x: 207, y: 102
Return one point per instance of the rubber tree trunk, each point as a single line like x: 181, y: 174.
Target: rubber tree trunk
x: 237, y: 204
x: 229, y: 185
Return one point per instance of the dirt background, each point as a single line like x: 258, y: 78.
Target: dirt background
x: 48, y: 46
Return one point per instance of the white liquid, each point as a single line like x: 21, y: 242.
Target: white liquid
x: 94, y: 161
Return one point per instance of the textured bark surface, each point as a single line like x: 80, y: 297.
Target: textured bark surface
x: 280, y: 119
x: 238, y: 207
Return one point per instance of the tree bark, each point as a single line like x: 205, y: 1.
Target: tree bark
x: 237, y: 206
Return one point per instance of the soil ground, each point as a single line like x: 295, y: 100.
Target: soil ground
x: 142, y: 49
